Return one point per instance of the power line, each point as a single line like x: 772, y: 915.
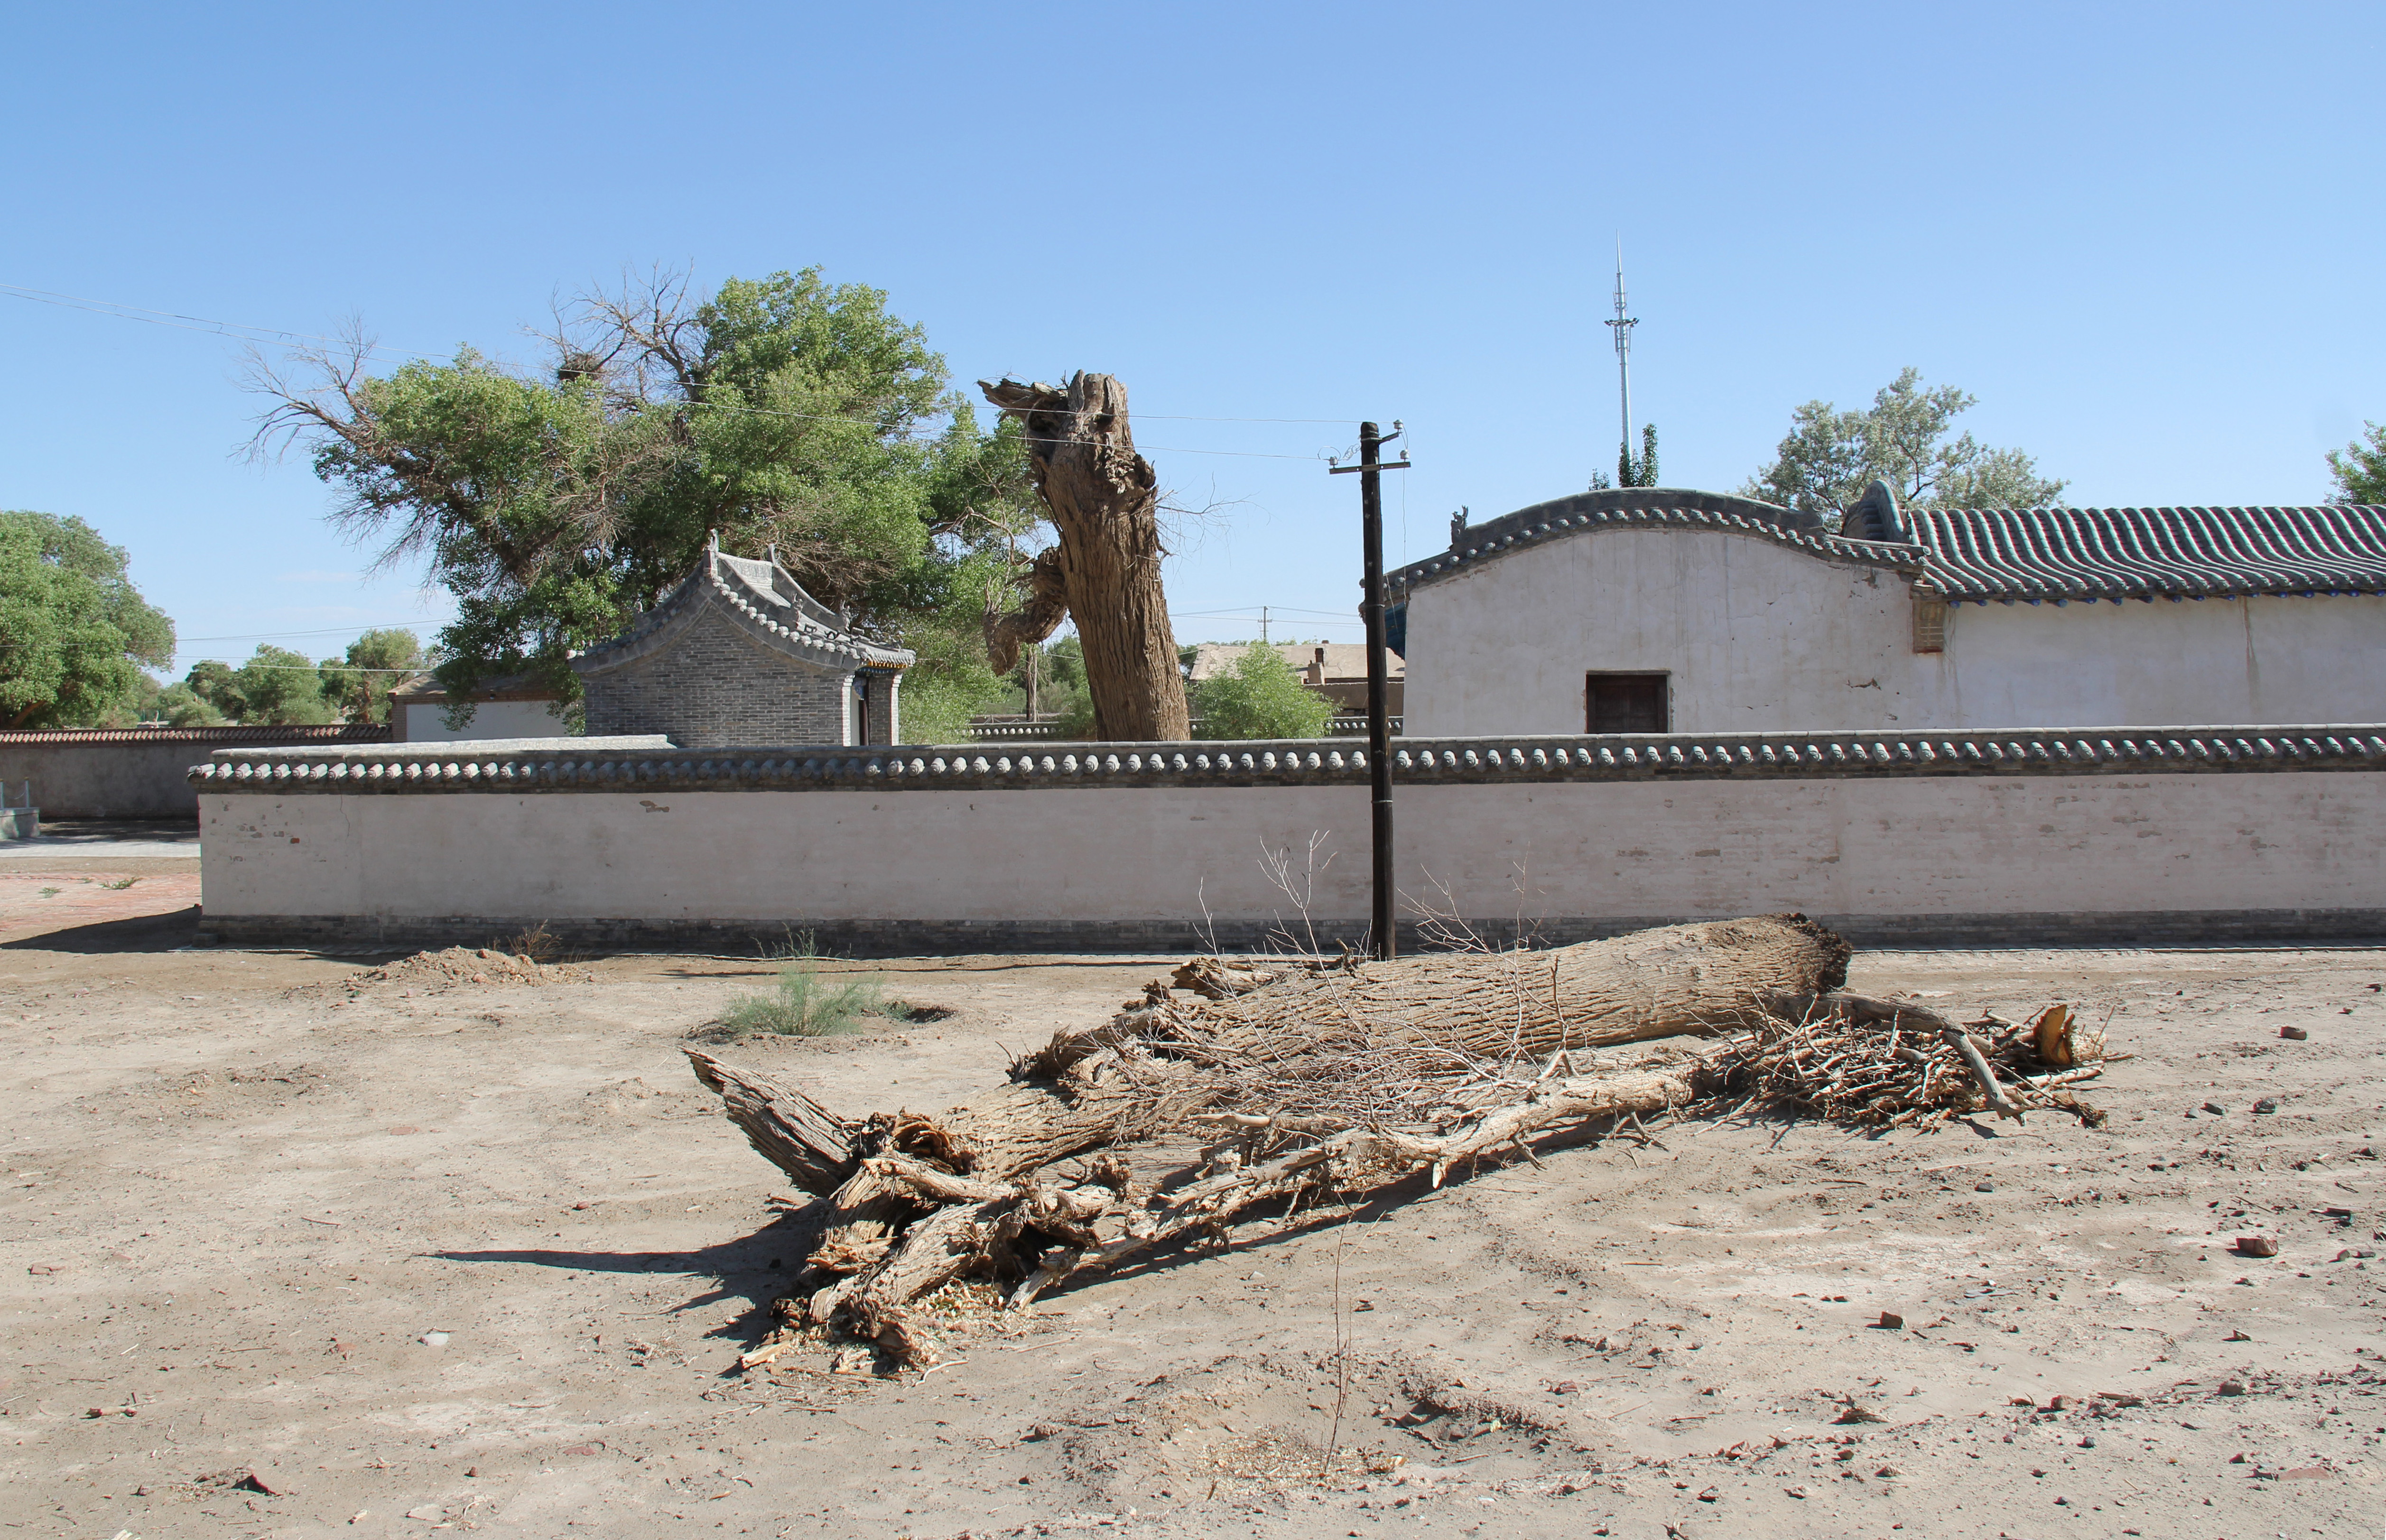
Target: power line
x: 239, y: 330
x: 242, y: 330
x: 245, y: 666
x: 327, y: 630
x: 1241, y: 612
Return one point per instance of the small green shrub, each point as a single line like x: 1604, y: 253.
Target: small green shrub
x: 805, y: 1002
x: 1261, y: 697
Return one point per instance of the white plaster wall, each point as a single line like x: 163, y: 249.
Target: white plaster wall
x: 491, y: 718
x: 1904, y: 846
x: 2251, y: 660
x: 1759, y: 637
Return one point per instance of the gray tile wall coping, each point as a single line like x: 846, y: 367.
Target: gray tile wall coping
x: 604, y: 765
x: 2008, y: 554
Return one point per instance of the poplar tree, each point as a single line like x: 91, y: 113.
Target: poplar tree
x: 799, y: 417
x: 1907, y: 439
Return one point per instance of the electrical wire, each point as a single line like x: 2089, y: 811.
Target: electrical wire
x: 1289, y: 609
x: 242, y: 332
x: 326, y: 631
x: 241, y: 666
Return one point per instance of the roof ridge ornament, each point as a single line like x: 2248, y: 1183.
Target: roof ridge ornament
x: 1875, y: 516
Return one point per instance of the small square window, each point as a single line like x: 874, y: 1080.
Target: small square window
x: 1929, y: 624
x: 1626, y: 703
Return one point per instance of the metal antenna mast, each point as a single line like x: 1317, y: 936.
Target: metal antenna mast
x: 1624, y: 325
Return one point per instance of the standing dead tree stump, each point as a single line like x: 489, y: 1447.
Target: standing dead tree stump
x: 1104, y: 500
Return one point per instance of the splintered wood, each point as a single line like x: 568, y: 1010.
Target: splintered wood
x: 1274, y: 1084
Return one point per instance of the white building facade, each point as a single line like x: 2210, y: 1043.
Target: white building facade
x: 508, y: 707
x: 1660, y: 611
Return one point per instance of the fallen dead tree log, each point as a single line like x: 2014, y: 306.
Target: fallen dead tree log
x: 1230, y: 1087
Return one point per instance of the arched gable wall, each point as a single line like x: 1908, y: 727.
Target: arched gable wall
x: 1760, y: 636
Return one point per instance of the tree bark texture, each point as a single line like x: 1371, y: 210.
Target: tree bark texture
x: 788, y: 1128
x: 1701, y: 979
x: 1046, y: 607
x: 1104, y: 501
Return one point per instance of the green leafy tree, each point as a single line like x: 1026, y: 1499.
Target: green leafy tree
x: 357, y: 685
x: 1639, y: 472
x: 73, y: 629
x: 2359, y: 467
x: 789, y: 414
x: 1062, y: 692
x: 274, y: 686
x: 177, y: 705
x: 213, y: 680
x: 982, y: 508
x: 1260, y: 696
x: 1830, y: 457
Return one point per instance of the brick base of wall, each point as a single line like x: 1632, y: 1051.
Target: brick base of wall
x: 894, y: 938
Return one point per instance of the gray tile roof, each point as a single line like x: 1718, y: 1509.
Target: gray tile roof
x: 2146, y: 553
x: 617, y: 764
x: 760, y: 598
x: 1984, y: 554
x: 1643, y: 508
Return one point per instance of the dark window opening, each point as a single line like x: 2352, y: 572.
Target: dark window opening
x: 1626, y: 703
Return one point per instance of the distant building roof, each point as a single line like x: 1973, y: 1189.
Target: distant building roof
x: 760, y: 598
x: 1983, y: 554
x: 1339, y: 660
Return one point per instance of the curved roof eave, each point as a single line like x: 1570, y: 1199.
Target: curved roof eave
x: 705, y: 590
x: 1978, y: 555
x: 1658, y: 508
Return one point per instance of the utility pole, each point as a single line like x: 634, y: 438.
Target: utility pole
x: 1264, y: 624
x: 1383, y: 938
x: 1623, y: 324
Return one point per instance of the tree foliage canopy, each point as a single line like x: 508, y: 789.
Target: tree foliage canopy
x: 1260, y: 696
x: 790, y: 414
x: 73, y: 629
x: 274, y: 686
x: 357, y: 685
x: 279, y: 686
x: 2359, y: 468
x: 1830, y: 457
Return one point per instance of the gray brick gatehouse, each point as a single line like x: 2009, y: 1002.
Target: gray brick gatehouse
x: 739, y: 654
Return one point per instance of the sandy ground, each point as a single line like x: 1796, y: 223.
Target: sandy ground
x: 483, y: 1256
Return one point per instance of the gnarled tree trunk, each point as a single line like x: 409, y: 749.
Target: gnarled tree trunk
x: 1104, y: 501
x: 1046, y: 607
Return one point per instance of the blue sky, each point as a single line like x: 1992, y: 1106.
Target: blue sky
x: 2144, y: 236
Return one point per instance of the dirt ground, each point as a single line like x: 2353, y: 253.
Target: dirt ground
x: 289, y: 1250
